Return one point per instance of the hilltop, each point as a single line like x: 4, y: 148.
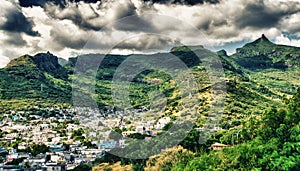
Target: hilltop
x: 263, y: 54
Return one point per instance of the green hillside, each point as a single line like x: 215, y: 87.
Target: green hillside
x: 34, y: 80
x: 41, y: 77
x: 263, y: 54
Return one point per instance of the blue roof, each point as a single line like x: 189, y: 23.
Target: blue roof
x: 15, y: 117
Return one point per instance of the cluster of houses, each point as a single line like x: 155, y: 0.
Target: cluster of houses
x: 55, y: 130
x: 59, y: 160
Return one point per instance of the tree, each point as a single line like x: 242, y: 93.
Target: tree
x: 26, y: 165
x: 38, y: 149
x: 137, y: 136
x: 167, y: 126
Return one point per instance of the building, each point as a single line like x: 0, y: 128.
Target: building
x: 55, y: 167
x: 56, y: 147
x: 218, y: 146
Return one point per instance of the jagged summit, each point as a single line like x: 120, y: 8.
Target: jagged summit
x: 44, y: 61
x: 263, y: 39
x: 259, y: 46
x: 34, y: 66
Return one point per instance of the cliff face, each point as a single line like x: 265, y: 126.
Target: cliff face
x: 46, y: 62
x: 35, y: 66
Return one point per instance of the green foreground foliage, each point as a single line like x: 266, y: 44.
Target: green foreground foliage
x: 272, y: 143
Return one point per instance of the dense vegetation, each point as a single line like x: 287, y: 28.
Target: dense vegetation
x: 269, y: 142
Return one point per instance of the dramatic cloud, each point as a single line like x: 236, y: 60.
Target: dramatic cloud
x: 185, y: 2
x: 262, y: 15
x: 17, y: 22
x: 61, y: 3
x: 66, y: 36
x: 13, y: 20
x: 92, y: 16
x: 135, y: 23
x: 66, y: 27
x: 146, y: 43
x: 15, y: 39
x: 291, y: 24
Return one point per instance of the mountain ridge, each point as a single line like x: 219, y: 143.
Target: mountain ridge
x: 263, y: 40
x: 243, y: 81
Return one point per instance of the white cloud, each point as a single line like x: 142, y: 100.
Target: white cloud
x: 4, y: 61
x: 283, y: 40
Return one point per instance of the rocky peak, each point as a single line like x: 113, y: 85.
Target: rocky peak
x: 262, y: 39
x: 46, y: 61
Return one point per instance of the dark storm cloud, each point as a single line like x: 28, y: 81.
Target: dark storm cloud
x: 146, y: 42
x: 75, y: 15
x: 258, y: 15
x: 30, y: 3
x: 135, y: 23
x: 89, y: 18
x: 63, y: 3
x: 185, y: 2
x: 15, y: 39
x: 41, y: 3
x: 16, y: 22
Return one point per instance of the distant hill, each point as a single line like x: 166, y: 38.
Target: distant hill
x: 263, y: 54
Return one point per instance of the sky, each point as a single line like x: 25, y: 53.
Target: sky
x: 70, y: 27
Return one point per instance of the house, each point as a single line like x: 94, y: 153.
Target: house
x: 154, y: 132
x: 15, y: 117
x: 57, y: 158
x: 162, y: 122
x: 44, y: 126
x: 140, y: 129
x: 216, y: 128
x: 107, y: 145
x: 199, y: 129
x: 218, y: 146
x: 22, y: 146
x: 2, y: 150
x: 56, y: 147
x: 55, y: 167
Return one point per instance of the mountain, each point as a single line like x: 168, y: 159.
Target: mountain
x: 253, y: 79
x: 263, y: 54
x: 37, y: 79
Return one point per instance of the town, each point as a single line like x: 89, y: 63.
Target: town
x: 61, y: 139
